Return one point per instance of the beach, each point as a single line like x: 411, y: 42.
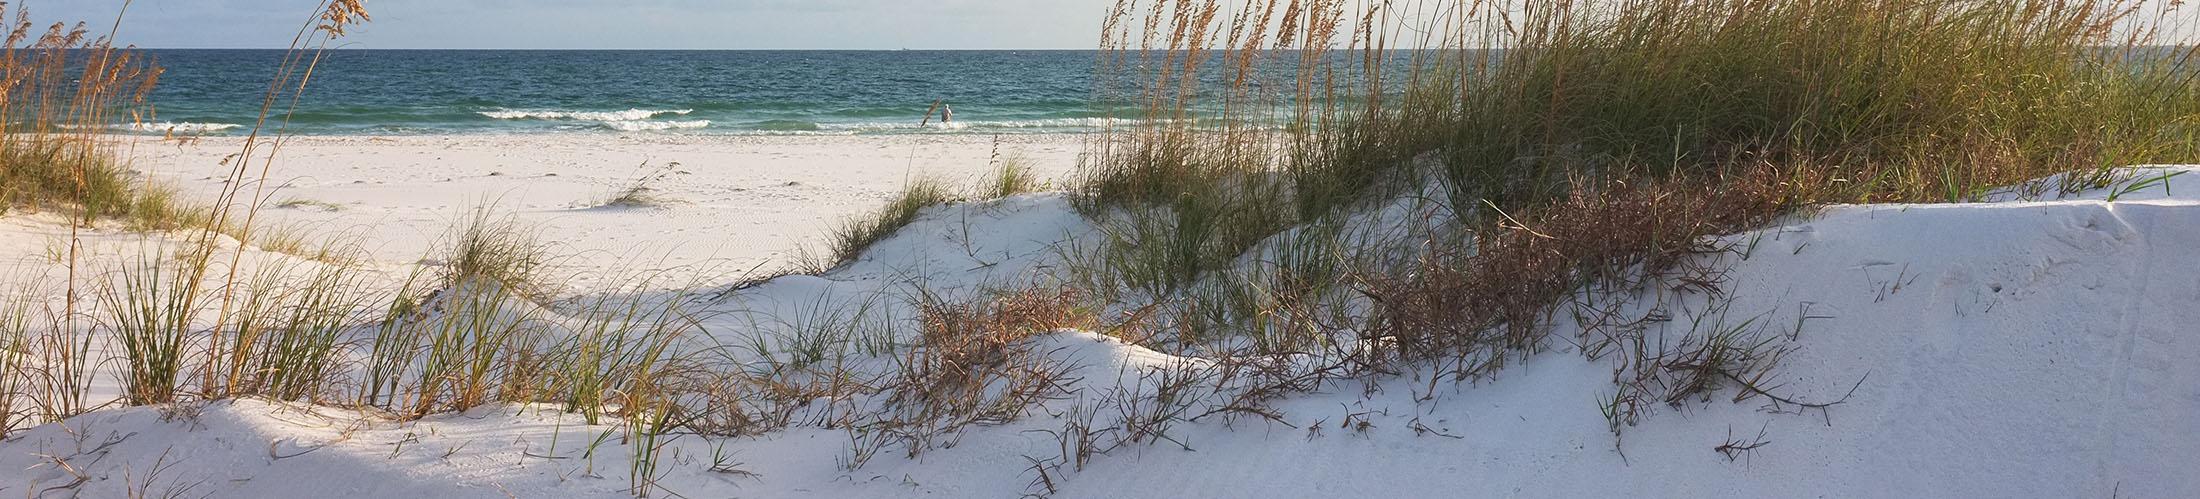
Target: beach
x: 1669, y: 248
x: 725, y: 202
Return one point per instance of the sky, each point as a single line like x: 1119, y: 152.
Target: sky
x: 611, y: 24
x: 648, y: 24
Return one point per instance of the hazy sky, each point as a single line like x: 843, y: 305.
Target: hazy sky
x: 701, y: 24
x: 626, y: 24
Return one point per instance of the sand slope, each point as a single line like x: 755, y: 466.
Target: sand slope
x: 2008, y: 349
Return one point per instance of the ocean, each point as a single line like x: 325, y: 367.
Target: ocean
x: 218, y: 92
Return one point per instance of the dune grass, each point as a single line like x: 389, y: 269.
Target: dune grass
x: 853, y: 236
x: 499, y: 249
x: 641, y: 192
x: 62, y: 86
x: 151, y: 312
x: 314, y: 204
x: 1011, y: 176
x: 481, y: 332
x: 285, y: 339
x: 1602, y: 135
x: 15, y: 352
x: 1597, y: 148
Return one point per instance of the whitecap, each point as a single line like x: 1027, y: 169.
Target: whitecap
x: 643, y: 126
x: 554, y: 114
x: 1080, y: 123
x: 167, y: 127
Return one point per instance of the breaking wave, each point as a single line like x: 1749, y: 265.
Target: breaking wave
x: 607, y: 116
x: 188, y: 128
x: 644, y: 126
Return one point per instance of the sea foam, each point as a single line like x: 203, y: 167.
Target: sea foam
x: 607, y: 116
x: 1051, y: 123
x: 642, y: 126
x: 167, y: 127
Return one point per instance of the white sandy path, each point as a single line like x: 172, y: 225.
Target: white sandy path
x: 741, y: 201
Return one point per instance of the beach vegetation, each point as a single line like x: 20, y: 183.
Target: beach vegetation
x: 312, y: 204
x: 486, y: 247
x: 62, y: 87
x: 1011, y: 175
x: 851, y: 237
x: 1536, y: 160
x: 1577, y: 141
x: 152, y: 307
x: 641, y: 192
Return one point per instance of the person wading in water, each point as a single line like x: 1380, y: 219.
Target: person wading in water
x: 940, y: 107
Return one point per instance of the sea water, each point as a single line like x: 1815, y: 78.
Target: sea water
x: 218, y: 92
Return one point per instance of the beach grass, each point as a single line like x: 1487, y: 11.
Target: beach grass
x: 1012, y: 175
x: 1576, y: 140
x: 641, y: 192
x: 1596, y: 149
x: 496, y: 249
x: 853, y: 236
x: 151, y: 311
x: 63, y: 87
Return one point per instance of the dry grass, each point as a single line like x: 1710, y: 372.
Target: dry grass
x: 1595, y: 152
x: 1497, y: 294
x: 1593, y: 156
x: 314, y: 204
x: 640, y: 193
x: 62, y: 87
x: 1603, y: 139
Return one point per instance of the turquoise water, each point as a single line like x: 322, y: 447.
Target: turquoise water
x: 717, y: 92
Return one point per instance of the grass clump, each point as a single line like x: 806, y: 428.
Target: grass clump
x: 497, y: 249
x: 285, y: 337
x: 1011, y: 176
x: 62, y: 87
x: 851, y: 237
x: 1587, y: 157
x: 1604, y: 135
x: 315, y: 204
x: 1870, y: 101
x: 640, y: 193
x: 150, y: 312
x: 15, y: 357
x: 621, y: 348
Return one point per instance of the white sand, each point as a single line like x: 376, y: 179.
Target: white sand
x: 736, y: 201
x: 2006, y: 349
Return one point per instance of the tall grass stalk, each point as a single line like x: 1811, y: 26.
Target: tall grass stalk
x: 15, y: 355
x: 1671, y: 119
x: 465, y: 347
x: 151, y: 312
x: 294, y: 356
x: 616, y: 348
x: 327, y: 22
